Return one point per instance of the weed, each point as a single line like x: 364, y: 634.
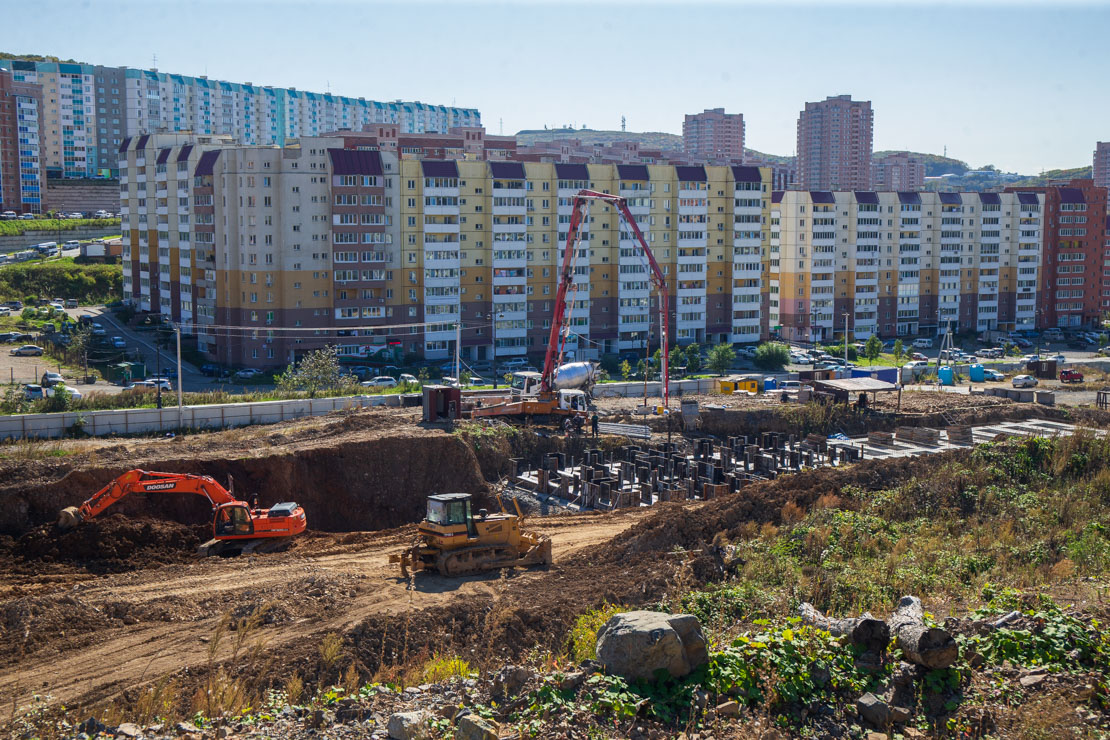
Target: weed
x: 582, y: 640
x: 294, y: 689
x: 331, y: 649
x: 440, y: 668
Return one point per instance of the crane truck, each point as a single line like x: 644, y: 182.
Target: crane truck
x: 236, y: 526
x: 562, y: 389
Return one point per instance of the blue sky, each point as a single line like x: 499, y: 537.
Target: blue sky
x: 1023, y: 86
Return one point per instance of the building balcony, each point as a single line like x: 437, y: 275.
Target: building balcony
x: 509, y: 228
x: 123, y: 179
x: 449, y: 192
x: 692, y: 243
x: 742, y: 274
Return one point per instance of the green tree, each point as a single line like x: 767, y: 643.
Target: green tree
x: 626, y: 370
x: 693, y: 358
x: 721, y: 358
x: 872, y: 349
x: 771, y: 356
x: 641, y: 368
x: 899, y: 351
x: 317, y: 371
x: 676, y: 358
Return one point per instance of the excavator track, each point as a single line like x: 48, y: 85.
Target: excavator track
x: 234, y: 548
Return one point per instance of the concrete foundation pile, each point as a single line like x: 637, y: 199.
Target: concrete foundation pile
x: 637, y: 475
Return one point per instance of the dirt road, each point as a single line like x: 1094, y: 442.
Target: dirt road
x: 83, y: 640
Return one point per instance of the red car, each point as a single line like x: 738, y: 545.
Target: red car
x: 1071, y: 376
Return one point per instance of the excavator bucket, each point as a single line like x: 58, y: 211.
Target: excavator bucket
x: 68, y: 518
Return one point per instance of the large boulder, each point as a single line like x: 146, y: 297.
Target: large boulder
x: 409, y: 725
x: 637, y: 644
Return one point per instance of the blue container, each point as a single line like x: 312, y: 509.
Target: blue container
x: 887, y: 374
x: 976, y: 372
x: 770, y: 384
x: 946, y: 375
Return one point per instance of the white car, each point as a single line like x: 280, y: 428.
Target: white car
x: 72, y: 244
x: 248, y: 372
x: 99, y: 330
x: 1024, y: 381
x: 993, y: 375
x: 74, y: 394
x: 58, y: 306
x: 8, y: 215
x: 1058, y: 358
x: 407, y: 378
x: 381, y: 381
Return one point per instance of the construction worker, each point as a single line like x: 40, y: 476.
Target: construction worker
x: 593, y: 424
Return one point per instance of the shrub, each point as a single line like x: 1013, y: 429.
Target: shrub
x: 771, y: 356
x: 582, y: 640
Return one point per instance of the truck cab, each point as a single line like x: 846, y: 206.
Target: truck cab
x: 573, y: 400
x: 526, y: 383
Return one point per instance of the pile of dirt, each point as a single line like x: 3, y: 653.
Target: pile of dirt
x: 110, y: 544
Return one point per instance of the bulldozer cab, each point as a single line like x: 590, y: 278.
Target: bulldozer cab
x: 233, y: 520
x: 451, y: 510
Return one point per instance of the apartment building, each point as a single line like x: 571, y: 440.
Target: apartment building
x: 1076, y: 287
x: 1101, y: 163
x: 575, y: 151
x: 264, y: 253
x: 22, y: 176
x: 902, y: 263
x: 834, y: 144
x: 714, y: 135
x: 89, y: 110
x: 899, y: 171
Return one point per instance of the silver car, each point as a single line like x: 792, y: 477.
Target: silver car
x: 1024, y: 381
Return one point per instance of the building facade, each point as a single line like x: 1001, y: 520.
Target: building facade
x: 1101, y: 168
x: 902, y: 263
x: 899, y: 172
x: 714, y: 136
x: 22, y: 178
x: 1076, y: 288
x: 834, y: 144
x: 89, y: 110
x: 264, y: 253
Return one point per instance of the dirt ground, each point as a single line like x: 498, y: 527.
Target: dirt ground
x: 123, y: 601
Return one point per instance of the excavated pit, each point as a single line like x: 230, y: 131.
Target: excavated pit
x: 350, y: 486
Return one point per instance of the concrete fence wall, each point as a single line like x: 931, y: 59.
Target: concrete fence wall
x: 227, y: 415
x: 29, y: 239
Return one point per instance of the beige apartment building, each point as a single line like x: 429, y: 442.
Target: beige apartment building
x: 902, y: 263
x: 262, y: 253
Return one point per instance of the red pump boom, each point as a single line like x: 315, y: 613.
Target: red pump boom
x: 559, y: 329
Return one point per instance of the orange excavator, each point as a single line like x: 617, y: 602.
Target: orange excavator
x: 236, y: 527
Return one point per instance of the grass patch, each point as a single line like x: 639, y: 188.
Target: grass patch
x: 17, y: 227
x: 582, y: 640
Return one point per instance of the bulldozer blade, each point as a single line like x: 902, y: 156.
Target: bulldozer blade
x: 69, y: 517
x: 403, y: 560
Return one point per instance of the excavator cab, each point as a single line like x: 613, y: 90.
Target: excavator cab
x: 233, y: 520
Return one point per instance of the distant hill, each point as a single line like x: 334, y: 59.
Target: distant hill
x: 36, y: 58
x: 935, y: 164
x: 1043, y: 178
x: 647, y: 139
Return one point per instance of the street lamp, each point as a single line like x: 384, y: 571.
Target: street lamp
x: 493, y: 342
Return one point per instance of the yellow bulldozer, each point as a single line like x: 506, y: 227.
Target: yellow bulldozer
x: 455, y: 542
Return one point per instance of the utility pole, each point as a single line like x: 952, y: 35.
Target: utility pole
x: 846, y: 339
x: 458, y: 345
x: 180, y: 377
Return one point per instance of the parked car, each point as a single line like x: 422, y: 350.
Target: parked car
x: 27, y: 217
x: 140, y: 385
x: 71, y: 303
x: 210, y: 369
x: 923, y: 343
x: 1071, y: 376
x: 1058, y: 358
x: 7, y: 216
x: 72, y: 244
x: 407, y: 378
x: 14, y: 305
x: 118, y: 342
x: 514, y: 362
x: 27, y: 350
x: 53, y: 379
x: 919, y: 356
x: 1024, y: 381
x: 993, y: 375
x: 380, y: 381
x: 98, y: 330
x: 248, y: 372
x: 34, y: 392
x: 1022, y: 342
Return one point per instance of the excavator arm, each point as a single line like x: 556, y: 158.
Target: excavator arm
x: 557, y: 339
x: 143, y: 481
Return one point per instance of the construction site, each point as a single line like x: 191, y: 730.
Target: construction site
x: 352, y: 551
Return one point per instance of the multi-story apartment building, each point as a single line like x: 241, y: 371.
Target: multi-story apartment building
x: 834, y: 144
x: 265, y: 252
x: 67, y: 130
x: 1101, y: 163
x: 902, y: 263
x: 1076, y: 288
x: 21, y: 168
x: 714, y: 136
x: 899, y: 171
x: 89, y: 110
